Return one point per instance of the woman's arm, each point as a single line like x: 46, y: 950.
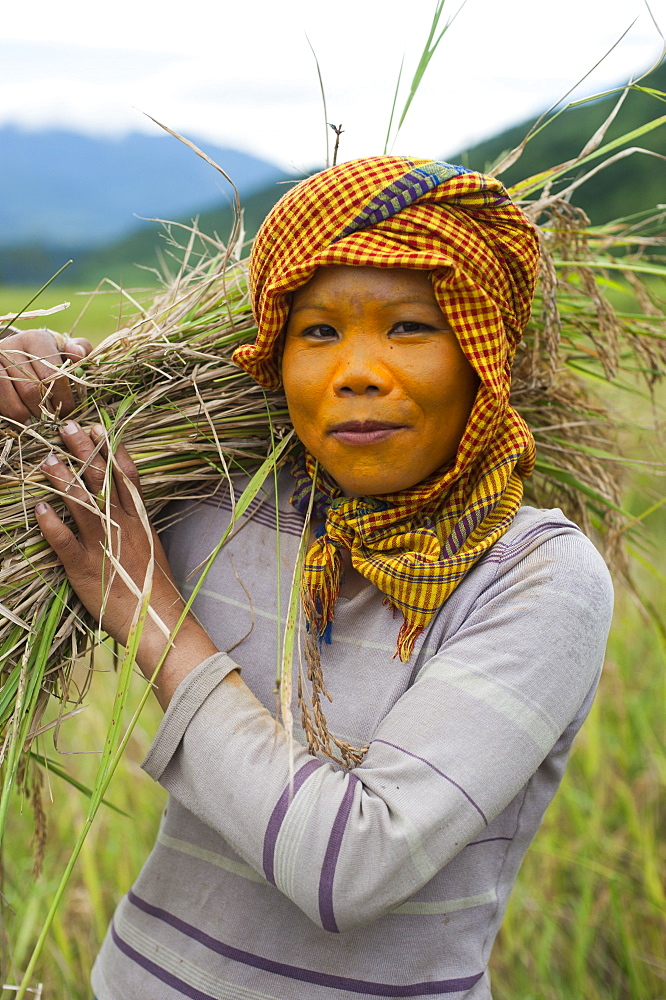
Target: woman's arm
x: 460, y: 744
x: 133, y: 542
x: 488, y: 722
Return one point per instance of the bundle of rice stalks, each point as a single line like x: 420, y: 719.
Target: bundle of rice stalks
x: 580, y: 349
x: 189, y: 418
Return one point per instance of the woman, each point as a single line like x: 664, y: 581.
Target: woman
x: 459, y: 634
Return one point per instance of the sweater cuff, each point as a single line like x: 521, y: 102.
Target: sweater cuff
x: 186, y: 701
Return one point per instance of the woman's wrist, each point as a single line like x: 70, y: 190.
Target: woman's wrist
x: 190, y: 646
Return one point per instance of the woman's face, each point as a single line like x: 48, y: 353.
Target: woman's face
x: 378, y: 388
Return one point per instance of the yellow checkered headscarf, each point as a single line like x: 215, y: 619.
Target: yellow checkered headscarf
x: 482, y: 252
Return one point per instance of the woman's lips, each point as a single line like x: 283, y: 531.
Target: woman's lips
x: 364, y: 432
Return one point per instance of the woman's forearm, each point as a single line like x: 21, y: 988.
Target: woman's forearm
x: 190, y: 647
x: 114, y: 552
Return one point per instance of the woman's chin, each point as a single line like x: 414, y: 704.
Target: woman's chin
x: 391, y: 466
x: 371, y: 485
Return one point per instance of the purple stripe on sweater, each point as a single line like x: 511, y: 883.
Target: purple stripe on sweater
x: 176, y: 984
x: 426, y: 989
x: 326, y: 913
x: 488, y: 840
x: 440, y: 773
x: 267, y: 520
x: 502, y: 551
x: 279, y: 813
x: 291, y: 524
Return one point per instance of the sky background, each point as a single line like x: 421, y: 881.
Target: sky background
x: 243, y: 74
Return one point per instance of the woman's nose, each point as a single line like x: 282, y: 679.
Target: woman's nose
x: 361, y: 373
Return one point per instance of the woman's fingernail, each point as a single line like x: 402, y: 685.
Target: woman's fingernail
x: 69, y: 427
x: 51, y: 460
x: 97, y: 430
x: 41, y: 508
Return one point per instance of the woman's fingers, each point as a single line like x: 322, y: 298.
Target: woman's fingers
x: 30, y: 382
x: 64, y: 542
x: 20, y: 390
x: 106, y: 563
x: 93, y: 481
x: 125, y: 485
x: 125, y: 475
x: 86, y: 558
x: 76, y: 348
x: 56, y: 388
x: 78, y: 497
x: 81, y: 489
x: 49, y: 350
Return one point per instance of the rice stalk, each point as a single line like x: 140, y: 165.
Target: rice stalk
x: 578, y: 345
x: 25, y: 312
x: 286, y: 648
x: 431, y: 45
x: 559, y: 108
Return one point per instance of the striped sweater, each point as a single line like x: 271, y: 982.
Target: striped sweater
x: 390, y: 880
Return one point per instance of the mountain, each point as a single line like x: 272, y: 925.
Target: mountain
x: 123, y: 260
x: 145, y: 248
x: 68, y: 190
x: 633, y: 184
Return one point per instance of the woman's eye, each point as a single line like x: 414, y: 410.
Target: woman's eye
x: 321, y: 332
x: 410, y: 326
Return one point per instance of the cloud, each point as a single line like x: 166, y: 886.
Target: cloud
x: 245, y: 75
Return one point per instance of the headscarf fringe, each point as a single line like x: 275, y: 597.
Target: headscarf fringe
x: 407, y: 636
x: 321, y: 585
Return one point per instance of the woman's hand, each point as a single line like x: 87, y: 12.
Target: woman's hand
x: 136, y: 547
x: 29, y: 362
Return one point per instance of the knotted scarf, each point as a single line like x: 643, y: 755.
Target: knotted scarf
x: 482, y: 253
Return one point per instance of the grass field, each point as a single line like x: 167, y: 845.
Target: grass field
x: 92, y: 313
x: 586, y: 921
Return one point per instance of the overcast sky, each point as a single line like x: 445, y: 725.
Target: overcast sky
x: 242, y: 74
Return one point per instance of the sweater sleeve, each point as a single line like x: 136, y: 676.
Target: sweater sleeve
x: 480, y: 718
